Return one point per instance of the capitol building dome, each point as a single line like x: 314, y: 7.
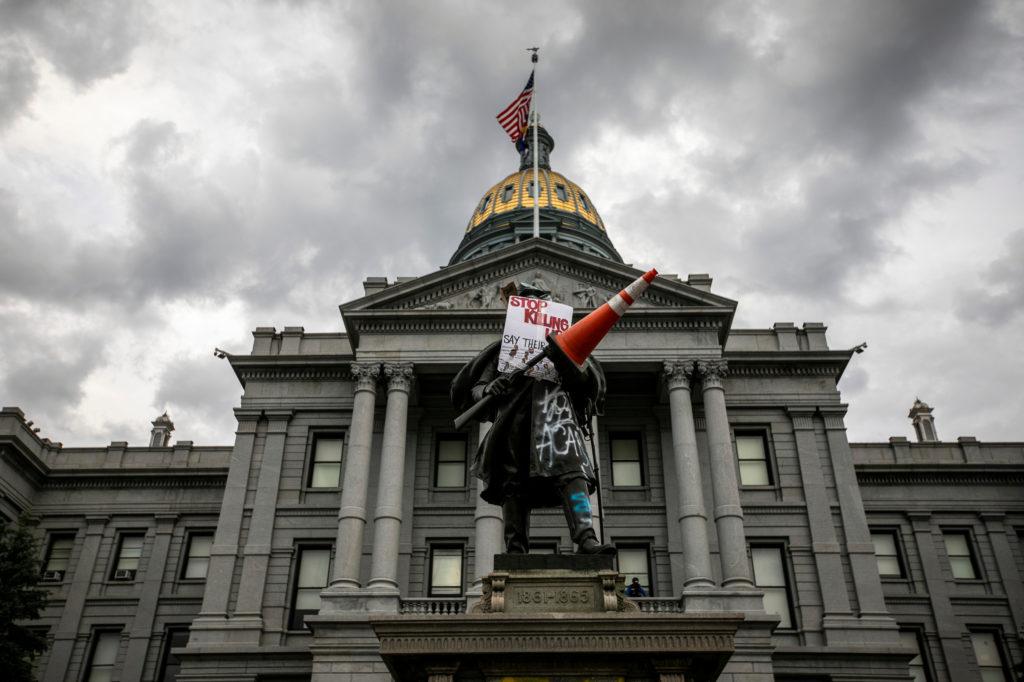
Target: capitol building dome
x: 504, y: 214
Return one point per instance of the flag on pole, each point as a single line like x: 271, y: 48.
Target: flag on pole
x: 515, y: 117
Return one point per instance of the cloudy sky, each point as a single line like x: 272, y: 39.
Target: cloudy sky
x: 173, y: 175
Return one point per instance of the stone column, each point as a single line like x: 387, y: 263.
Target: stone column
x: 387, y: 521
x: 348, y: 549
x: 995, y: 527
x: 70, y: 615
x: 490, y: 530
x: 950, y: 628
x: 732, y: 539
x: 224, y: 551
x: 824, y: 543
x: 693, y: 519
x: 256, y: 554
x: 145, y: 613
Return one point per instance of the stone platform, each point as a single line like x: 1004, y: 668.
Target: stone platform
x: 556, y: 618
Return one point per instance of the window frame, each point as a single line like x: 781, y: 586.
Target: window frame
x: 294, y: 587
x: 165, y: 653
x: 997, y: 638
x: 546, y: 543
x: 122, y: 536
x: 446, y: 545
x: 638, y: 436
x: 972, y: 553
x: 782, y: 548
x: 186, y: 554
x: 764, y: 434
x: 94, y: 641
x: 485, y: 203
x: 561, y: 191
x: 450, y: 436
x: 894, y: 533
x: 508, y: 192
x: 52, y: 538
x: 917, y: 631
x: 648, y: 552
x: 315, y: 437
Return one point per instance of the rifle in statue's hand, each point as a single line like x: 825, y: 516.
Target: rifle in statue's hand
x: 488, y: 399
x: 577, y: 342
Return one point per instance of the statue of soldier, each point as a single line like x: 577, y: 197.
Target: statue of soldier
x: 535, y: 454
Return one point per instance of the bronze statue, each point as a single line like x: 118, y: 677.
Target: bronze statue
x: 535, y: 453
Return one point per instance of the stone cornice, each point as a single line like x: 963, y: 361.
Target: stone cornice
x: 939, y: 474
x: 788, y: 363
x: 211, y: 478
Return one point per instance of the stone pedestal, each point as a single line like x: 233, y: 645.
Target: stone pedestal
x: 556, y: 617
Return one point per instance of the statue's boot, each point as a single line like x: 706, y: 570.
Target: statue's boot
x: 576, y: 504
x: 516, y: 513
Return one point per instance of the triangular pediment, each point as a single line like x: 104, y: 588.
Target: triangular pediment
x: 573, y: 277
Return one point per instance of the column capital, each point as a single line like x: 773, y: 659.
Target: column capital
x: 365, y: 375
x: 712, y: 372
x: 399, y: 375
x: 677, y: 373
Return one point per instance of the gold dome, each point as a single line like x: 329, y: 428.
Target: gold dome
x: 512, y: 194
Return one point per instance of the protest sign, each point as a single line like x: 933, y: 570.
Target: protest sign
x: 528, y: 321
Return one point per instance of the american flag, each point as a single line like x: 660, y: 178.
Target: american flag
x: 514, y: 117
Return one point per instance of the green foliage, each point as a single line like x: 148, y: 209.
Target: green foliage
x: 20, y: 600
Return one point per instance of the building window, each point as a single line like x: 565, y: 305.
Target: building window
x: 752, y: 453
x: 450, y: 461
x: 634, y: 561
x: 197, y: 556
x: 325, y: 470
x: 911, y: 639
x: 506, y: 194
x: 989, y: 656
x: 485, y: 203
x: 103, y: 656
x: 961, y: 558
x: 58, y: 556
x: 770, y: 576
x: 529, y: 188
x: 583, y: 202
x: 627, y: 469
x: 128, y: 553
x: 312, y: 574
x: 176, y: 637
x: 560, y: 192
x: 887, y: 554
x: 445, y: 571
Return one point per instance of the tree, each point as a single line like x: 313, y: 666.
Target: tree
x: 20, y: 600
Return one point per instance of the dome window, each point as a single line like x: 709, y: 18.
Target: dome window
x: 529, y: 188
x: 583, y: 202
x: 560, y: 192
x: 506, y: 194
x: 485, y: 203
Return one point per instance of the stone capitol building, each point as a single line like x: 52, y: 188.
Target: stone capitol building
x: 340, y: 537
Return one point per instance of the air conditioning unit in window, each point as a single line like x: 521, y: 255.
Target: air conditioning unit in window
x: 53, y: 575
x: 124, y: 574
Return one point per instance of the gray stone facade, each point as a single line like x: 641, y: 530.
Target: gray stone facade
x: 683, y: 385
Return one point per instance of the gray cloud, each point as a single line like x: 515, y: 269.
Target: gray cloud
x: 1001, y: 300
x: 84, y: 40
x: 369, y: 140
x: 18, y: 79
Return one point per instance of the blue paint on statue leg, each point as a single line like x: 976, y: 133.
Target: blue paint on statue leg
x: 581, y: 503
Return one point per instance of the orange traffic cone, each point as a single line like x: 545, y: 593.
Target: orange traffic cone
x: 578, y: 341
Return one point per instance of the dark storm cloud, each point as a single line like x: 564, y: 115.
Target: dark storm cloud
x: 83, y: 40
x: 1000, y: 299
x: 18, y: 79
x: 42, y: 371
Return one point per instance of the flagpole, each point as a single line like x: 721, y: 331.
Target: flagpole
x: 535, y: 149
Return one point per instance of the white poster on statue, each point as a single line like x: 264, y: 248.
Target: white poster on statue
x: 528, y: 321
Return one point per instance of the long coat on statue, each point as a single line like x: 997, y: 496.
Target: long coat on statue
x: 537, y: 436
